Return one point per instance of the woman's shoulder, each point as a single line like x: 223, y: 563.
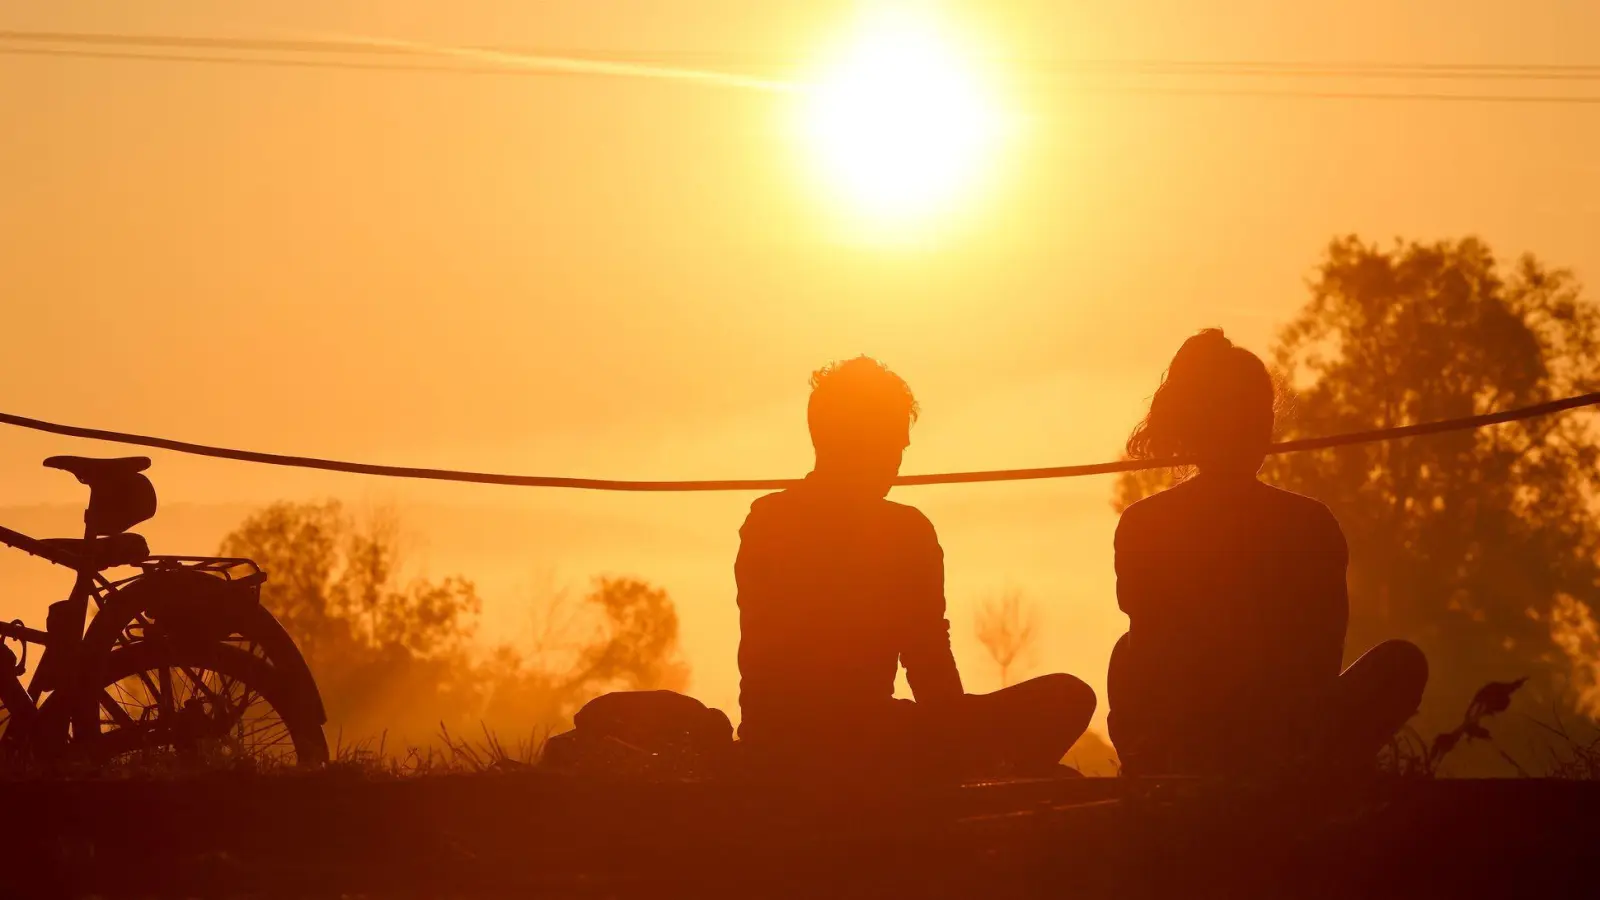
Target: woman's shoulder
x: 1300, y: 503
x: 1313, y: 514
x: 1187, y: 502
x: 1159, y: 511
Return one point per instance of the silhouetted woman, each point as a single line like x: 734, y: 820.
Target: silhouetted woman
x: 1235, y: 595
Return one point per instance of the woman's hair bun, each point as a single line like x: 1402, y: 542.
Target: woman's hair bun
x: 1215, y: 401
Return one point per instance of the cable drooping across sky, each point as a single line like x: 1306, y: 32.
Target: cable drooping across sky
x: 756, y: 484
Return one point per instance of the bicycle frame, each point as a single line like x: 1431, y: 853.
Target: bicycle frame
x: 173, y: 606
x: 63, y: 629
x: 16, y: 631
x: 35, y: 547
x: 64, y: 625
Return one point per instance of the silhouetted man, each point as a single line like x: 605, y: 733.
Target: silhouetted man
x: 838, y: 587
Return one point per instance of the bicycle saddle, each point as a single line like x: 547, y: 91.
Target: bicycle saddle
x: 89, y: 470
x: 119, y: 496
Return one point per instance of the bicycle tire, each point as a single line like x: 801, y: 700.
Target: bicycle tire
x: 158, y: 729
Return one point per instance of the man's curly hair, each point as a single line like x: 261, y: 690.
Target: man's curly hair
x: 855, y: 394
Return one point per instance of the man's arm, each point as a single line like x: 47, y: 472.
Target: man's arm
x: 930, y: 666
x: 753, y: 578
x: 1133, y: 569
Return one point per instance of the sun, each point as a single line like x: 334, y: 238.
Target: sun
x: 899, y: 121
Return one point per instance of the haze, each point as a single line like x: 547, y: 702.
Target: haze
x: 633, y: 278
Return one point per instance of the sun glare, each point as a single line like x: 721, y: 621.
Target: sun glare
x: 898, y: 121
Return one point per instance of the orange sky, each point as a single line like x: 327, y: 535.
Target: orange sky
x: 630, y: 278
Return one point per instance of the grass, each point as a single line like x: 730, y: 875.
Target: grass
x: 1572, y: 756
x: 449, y: 755
x: 1408, y: 754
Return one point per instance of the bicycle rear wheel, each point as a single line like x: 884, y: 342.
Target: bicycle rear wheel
x: 190, y: 606
x: 204, y: 703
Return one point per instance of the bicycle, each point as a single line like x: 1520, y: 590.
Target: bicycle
x: 180, y: 660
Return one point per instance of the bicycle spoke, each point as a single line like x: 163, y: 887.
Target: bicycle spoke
x: 119, y: 715
x: 198, y: 680
x: 199, y: 700
x: 155, y: 691
x: 132, y: 700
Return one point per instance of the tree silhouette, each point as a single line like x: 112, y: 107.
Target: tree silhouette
x: 398, y: 656
x: 1480, y: 546
x: 386, y: 653
x: 637, y: 648
x: 1006, y: 626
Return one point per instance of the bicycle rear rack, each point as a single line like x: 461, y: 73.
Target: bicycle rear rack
x: 225, y: 567
x: 234, y: 569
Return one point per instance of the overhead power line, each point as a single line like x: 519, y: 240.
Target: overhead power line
x: 400, y: 56
x: 348, y: 65
x: 1165, y: 66
x: 392, y: 55
x: 1408, y: 96
x: 186, y: 42
x: 1237, y: 68
x: 755, y: 484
